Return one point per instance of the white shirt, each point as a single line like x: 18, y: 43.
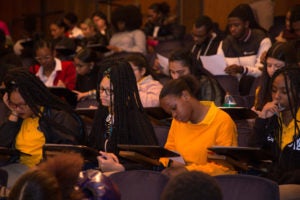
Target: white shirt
x: 49, y: 81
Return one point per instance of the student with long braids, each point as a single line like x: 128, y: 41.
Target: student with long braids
x: 276, y: 129
x: 37, y: 117
x: 120, y: 118
x: 195, y: 127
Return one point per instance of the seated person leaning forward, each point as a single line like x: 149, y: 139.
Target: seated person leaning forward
x: 195, y: 127
x: 120, y: 118
x: 37, y: 117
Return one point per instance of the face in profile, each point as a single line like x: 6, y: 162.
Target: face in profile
x: 237, y: 27
x: 273, y: 65
x: 87, y: 30
x: 280, y: 91
x: 138, y: 73
x: 178, y: 106
x: 18, y: 104
x: 56, y: 31
x: 177, y: 69
x: 105, y: 91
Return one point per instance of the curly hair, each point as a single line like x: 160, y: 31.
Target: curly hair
x: 129, y: 14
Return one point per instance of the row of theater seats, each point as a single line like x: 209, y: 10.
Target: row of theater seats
x: 148, y: 185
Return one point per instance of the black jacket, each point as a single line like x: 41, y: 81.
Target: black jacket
x: 286, y: 163
x: 58, y: 127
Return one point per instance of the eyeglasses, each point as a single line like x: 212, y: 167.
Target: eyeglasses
x: 40, y: 59
x: 107, y: 91
x: 21, y: 106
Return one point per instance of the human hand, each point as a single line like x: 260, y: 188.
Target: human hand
x: 270, y: 109
x: 60, y: 83
x: 114, y: 48
x: 81, y: 95
x: 234, y: 69
x: 109, y: 162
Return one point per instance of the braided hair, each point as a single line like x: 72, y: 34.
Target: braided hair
x: 130, y: 123
x: 280, y: 51
x: 37, y: 95
x: 292, y: 84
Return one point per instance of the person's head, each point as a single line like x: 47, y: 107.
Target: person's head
x: 70, y: 20
x: 139, y: 65
x: 176, y: 96
x: 112, y: 93
x: 240, y: 20
x: 57, y: 28
x: 285, y: 88
x: 202, y: 29
x: 35, y: 185
x: 126, y: 18
x: 295, y: 19
x: 157, y: 11
x: 44, y: 53
x: 182, y: 63
x: 27, y: 94
x: 278, y: 56
x: 100, y: 19
x: 85, y: 61
x: 54, y: 178
x: 194, y: 185
x: 88, y: 28
x: 275, y: 58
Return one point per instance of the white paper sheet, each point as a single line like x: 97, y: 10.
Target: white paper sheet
x: 215, y: 64
x: 164, y: 64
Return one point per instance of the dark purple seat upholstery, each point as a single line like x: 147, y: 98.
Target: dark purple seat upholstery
x: 247, y: 187
x: 140, y: 184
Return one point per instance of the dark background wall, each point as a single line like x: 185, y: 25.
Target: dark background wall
x: 13, y: 11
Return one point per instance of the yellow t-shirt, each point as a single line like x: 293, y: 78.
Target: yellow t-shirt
x: 192, y: 140
x: 289, y: 131
x: 30, y: 141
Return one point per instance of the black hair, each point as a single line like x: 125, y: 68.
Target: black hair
x: 87, y: 55
x: 139, y: 60
x: 60, y: 23
x: 295, y: 13
x: 43, y: 44
x: 37, y: 95
x: 175, y: 87
x: 160, y: 8
x: 72, y: 17
x: 281, y: 51
x: 205, y: 21
x: 101, y: 15
x: 292, y: 85
x: 129, y: 14
x: 131, y: 124
x: 245, y: 13
x: 194, y: 185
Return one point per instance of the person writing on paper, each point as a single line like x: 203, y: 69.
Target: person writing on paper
x: 195, y: 127
x: 37, y: 117
x: 51, y: 70
x: 149, y: 88
x: 87, y: 77
x: 243, y: 47
x: 120, y: 118
x: 182, y: 63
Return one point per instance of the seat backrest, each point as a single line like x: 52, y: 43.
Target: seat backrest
x: 229, y: 83
x: 247, y: 187
x: 139, y: 184
x: 161, y: 133
x: 3, y: 177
